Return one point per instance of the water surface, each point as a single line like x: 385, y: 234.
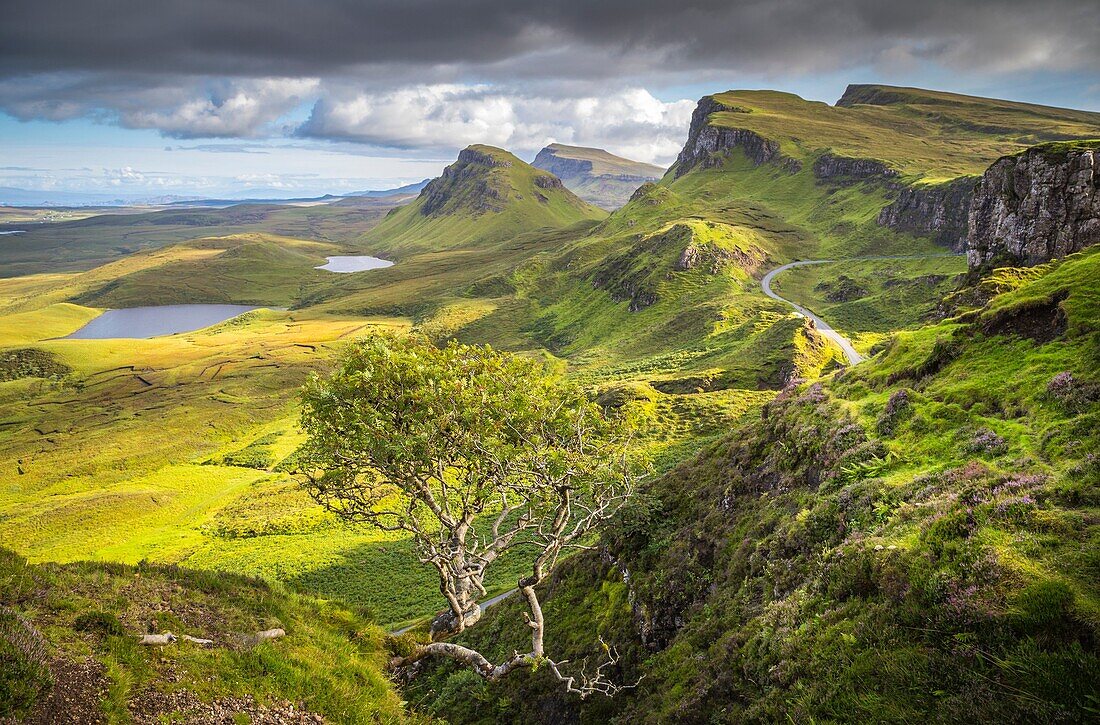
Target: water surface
x: 360, y: 263
x: 142, y: 322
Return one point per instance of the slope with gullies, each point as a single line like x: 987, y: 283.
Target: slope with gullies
x: 917, y: 538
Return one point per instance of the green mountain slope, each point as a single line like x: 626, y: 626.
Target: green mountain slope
x: 487, y: 196
x: 598, y: 177
x: 913, y: 539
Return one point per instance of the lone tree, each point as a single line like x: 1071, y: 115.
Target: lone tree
x: 471, y: 452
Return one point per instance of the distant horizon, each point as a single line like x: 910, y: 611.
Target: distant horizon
x: 136, y: 101
x: 314, y: 189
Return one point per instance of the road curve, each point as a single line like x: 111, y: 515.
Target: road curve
x: 854, y: 358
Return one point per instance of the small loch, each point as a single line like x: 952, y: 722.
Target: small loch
x: 145, y: 322
x: 349, y: 264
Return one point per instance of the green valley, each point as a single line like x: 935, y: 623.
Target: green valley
x: 814, y: 541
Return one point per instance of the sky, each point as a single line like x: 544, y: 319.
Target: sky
x: 237, y: 98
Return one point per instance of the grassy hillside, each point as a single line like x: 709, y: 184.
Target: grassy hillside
x: 869, y: 299
x: 914, y: 539
x: 175, y: 449
x: 753, y: 566
x: 70, y: 653
x: 487, y: 196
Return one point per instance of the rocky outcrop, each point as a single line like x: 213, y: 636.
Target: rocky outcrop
x: 707, y: 145
x: 644, y: 191
x: 1036, y: 206
x: 468, y: 156
x: 546, y: 181
x: 937, y: 210
x: 843, y: 169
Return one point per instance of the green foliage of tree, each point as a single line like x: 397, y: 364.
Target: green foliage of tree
x: 471, y: 452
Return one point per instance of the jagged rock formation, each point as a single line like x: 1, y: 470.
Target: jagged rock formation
x: 1035, y: 206
x: 938, y: 210
x: 842, y: 169
x: 598, y: 177
x: 707, y: 144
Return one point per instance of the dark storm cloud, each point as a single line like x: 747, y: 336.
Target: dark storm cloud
x: 538, y: 37
x: 433, y: 74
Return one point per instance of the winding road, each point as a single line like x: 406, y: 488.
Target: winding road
x: 854, y: 358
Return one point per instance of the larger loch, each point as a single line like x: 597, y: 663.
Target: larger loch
x: 144, y: 322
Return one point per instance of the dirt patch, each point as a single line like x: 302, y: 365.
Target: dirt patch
x: 1041, y: 320
x: 78, y: 689
x: 153, y: 706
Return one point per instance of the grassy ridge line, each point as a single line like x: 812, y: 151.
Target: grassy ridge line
x: 923, y: 134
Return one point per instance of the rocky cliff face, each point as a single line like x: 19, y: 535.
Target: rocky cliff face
x: 940, y: 211
x: 707, y: 144
x: 844, y: 169
x: 1036, y: 206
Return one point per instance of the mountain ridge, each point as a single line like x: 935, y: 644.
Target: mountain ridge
x: 485, y: 196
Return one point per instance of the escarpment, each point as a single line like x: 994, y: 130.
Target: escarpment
x: 937, y: 210
x: 845, y: 169
x: 595, y: 175
x: 1036, y: 206
x: 707, y: 144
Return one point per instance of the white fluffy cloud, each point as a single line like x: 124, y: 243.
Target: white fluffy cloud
x: 443, y: 116
x: 438, y: 117
x: 181, y: 108
x: 241, y: 109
